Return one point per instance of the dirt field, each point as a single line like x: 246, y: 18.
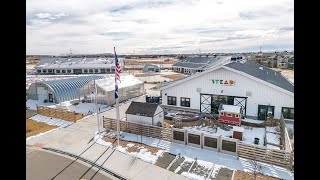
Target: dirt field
x: 144, y: 75
x: 34, y: 127
x: 174, y: 76
x: 286, y: 72
x: 240, y: 175
x: 135, y: 148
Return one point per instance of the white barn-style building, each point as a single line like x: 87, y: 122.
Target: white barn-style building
x: 259, y: 90
x: 145, y: 113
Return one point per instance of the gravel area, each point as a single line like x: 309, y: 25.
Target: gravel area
x: 184, y: 167
x: 224, y: 174
x: 164, y: 160
x: 200, y: 170
x: 176, y: 164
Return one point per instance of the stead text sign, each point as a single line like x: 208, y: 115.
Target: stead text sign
x: 223, y: 82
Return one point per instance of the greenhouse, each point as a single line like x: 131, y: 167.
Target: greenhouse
x: 58, y: 91
x: 128, y: 88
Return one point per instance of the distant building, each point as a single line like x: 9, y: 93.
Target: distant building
x: 72, y: 65
x: 151, y: 68
x: 145, y: 113
x: 291, y: 63
x: 192, y: 65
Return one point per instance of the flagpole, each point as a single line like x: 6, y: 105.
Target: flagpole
x: 117, y: 100
x: 95, y: 85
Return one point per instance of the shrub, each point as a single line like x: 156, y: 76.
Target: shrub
x: 145, y: 81
x: 45, y: 101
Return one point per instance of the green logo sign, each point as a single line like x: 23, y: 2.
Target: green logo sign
x: 223, y: 82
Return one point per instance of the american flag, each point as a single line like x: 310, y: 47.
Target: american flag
x: 117, y: 75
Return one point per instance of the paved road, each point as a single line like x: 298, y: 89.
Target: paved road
x: 45, y: 165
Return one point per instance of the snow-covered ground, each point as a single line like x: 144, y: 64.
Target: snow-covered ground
x: 209, y: 130
x: 273, y: 147
x: 252, y: 121
x: 51, y: 121
x: 248, y: 134
x: 275, y: 129
x: 273, y: 138
x: 32, y: 104
x: 143, y: 153
x: 83, y: 108
x: 220, y: 159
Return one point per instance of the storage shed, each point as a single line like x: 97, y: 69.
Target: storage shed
x: 145, y: 113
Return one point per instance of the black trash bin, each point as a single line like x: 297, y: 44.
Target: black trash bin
x: 256, y: 140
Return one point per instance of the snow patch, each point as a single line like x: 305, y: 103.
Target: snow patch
x: 51, y: 120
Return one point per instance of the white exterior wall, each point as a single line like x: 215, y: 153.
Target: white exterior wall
x: 139, y: 119
x: 159, y: 116
x: 261, y: 93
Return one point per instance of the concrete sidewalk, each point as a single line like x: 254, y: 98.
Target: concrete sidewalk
x: 78, y: 137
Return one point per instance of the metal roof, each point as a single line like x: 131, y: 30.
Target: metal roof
x: 264, y: 73
x: 142, y: 108
x: 57, y: 62
x: 202, y: 62
x: 68, y: 89
x: 108, y: 83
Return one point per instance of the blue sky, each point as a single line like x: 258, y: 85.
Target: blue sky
x: 158, y: 26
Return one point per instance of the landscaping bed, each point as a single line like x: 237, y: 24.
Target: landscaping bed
x: 240, y: 175
x: 164, y: 160
x: 34, y: 127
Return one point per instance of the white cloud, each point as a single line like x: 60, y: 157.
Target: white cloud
x: 162, y: 26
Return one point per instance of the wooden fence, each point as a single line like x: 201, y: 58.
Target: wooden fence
x: 141, y: 129
x: 272, y: 156
x: 59, y: 113
x: 277, y: 157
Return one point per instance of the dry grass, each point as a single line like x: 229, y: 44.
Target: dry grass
x: 34, y: 127
x: 135, y: 148
x: 240, y: 175
x: 174, y: 76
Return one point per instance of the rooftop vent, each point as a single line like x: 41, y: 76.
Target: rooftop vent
x: 261, y: 68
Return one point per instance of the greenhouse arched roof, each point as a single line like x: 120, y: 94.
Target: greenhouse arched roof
x: 68, y: 89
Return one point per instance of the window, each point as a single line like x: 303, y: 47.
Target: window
x: 112, y: 70
x: 57, y: 71
x: 85, y: 70
x: 63, y: 71
x: 229, y: 115
x: 96, y: 70
x: 172, y: 100
x: 185, y: 102
x: 90, y: 70
x: 39, y: 70
x: 237, y: 116
x: 69, y: 70
x: 288, y: 113
x: 221, y: 114
x: 50, y: 71
x: 103, y: 70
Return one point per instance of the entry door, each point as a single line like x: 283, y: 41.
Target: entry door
x: 182, y: 70
x: 41, y: 94
x: 50, y: 97
x: 263, y: 110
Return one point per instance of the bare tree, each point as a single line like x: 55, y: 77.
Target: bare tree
x: 256, y: 167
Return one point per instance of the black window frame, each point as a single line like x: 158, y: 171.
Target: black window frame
x: 58, y: 71
x: 85, y: 70
x: 68, y: 70
x: 90, y: 70
x: 173, y: 101
x: 39, y: 71
x: 184, y: 102
x: 103, y: 70
x: 63, y: 71
x: 96, y: 70
x: 288, y: 115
